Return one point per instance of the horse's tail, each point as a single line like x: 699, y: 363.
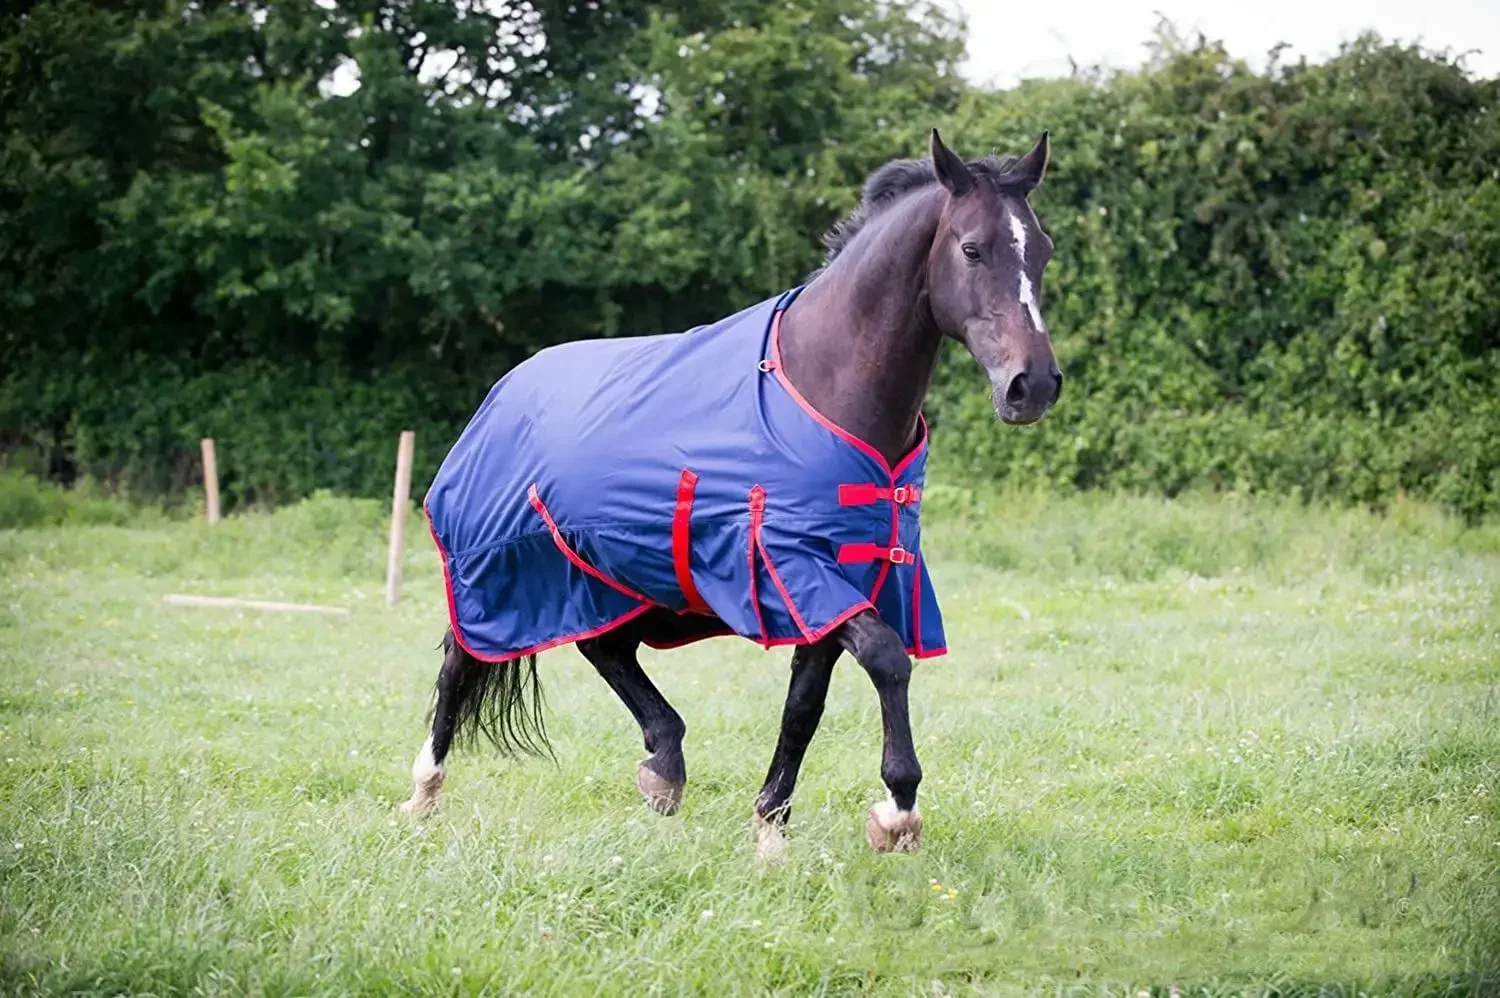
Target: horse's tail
x: 500, y: 700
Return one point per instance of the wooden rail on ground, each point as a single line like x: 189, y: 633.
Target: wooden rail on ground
x: 181, y: 599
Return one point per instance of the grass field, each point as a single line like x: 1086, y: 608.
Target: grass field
x: 1218, y: 744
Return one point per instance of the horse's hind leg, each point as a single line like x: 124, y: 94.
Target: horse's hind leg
x: 457, y: 681
x: 662, y: 775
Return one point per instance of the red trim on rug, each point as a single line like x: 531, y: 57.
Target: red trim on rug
x: 824, y: 631
x: 566, y: 639
x: 447, y: 581
x: 682, y: 520
x: 781, y: 588
x: 690, y: 639
x: 458, y: 633
x: 911, y: 455
x: 573, y: 556
x: 885, y: 566
x: 774, y: 365
x: 757, y: 543
x: 916, y: 604
x: 757, y: 512
x: 806, y: 639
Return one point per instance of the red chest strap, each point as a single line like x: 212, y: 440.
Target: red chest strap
x: 853, y: 554
x: 865, y: 495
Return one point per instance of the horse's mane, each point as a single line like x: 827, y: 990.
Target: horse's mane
x: 891, y: 183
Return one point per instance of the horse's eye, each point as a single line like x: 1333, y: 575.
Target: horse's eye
x: 971, y: 251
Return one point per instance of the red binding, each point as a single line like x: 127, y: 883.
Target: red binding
x: 573, y: 556
x: 757, y: 514
x: 682, y: 517
x: 916, y: 608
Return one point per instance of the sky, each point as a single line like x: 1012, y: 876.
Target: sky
x: 1009, y: 42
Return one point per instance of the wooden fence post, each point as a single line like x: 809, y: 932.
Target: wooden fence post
x: 400, y: 501
x: 210, y: 481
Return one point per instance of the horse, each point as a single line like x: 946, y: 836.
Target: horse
x: 759, y: 532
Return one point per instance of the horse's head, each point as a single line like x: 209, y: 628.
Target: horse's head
x: 984, y: 277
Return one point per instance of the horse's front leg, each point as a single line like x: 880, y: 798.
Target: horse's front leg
x: 894, y: 825
x: 812, y: 668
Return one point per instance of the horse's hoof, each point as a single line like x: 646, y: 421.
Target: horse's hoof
x: 770, y: 840
x: 662, y: 795
x: 890, y: 829
x: 420, y: 806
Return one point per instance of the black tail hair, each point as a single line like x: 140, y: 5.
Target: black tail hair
x: 501, y: 700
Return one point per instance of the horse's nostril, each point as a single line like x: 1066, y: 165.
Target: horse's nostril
x: 1057, y: 391
x: 1016, y: 393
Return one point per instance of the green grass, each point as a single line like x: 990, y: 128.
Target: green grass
x: 1220, y: 744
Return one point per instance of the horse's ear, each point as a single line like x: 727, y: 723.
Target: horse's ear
x: 950, y: 170
x: 1030, y: 167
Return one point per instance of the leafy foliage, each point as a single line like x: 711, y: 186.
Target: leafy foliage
x: 1284, y: 281
x: 1278, y: 280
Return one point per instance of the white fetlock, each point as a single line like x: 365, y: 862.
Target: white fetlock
x: 770, y: 840
x: 427, y: 781
x: 890, y: 829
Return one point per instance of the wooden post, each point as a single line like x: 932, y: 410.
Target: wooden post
x: 400, y: 500
x: 210, y: 480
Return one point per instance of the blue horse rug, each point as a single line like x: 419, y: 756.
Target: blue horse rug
x: 602, y: 478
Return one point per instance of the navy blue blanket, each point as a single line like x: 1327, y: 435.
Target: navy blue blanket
x: 602, y: 478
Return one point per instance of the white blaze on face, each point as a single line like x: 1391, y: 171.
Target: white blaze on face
x: 1026, y: 294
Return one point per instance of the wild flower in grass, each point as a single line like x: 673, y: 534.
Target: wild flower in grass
x: 544, y: 932
x: 457, y: 972
x: 708, y: 913
x: 755, y: 923
x: 616, y: 860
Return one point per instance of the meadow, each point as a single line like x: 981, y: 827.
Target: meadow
x: 1219, y: 745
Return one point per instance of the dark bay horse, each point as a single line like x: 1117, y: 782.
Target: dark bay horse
x: 936, y: 248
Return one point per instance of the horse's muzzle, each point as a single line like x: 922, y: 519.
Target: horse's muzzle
x: 1026, y: 395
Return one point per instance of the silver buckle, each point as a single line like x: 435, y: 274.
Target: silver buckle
x: 900, y: 496
x: 899, y: 556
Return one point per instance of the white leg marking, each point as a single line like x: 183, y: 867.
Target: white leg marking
x: 890, y: 829
x: 427, y: 781
x: 770, y: 841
